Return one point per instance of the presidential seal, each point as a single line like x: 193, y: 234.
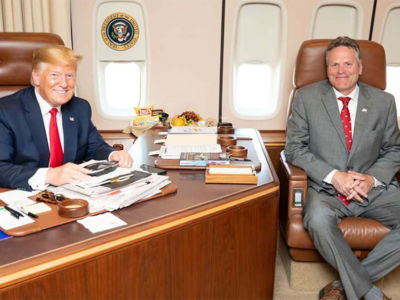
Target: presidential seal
x: 120, y: 31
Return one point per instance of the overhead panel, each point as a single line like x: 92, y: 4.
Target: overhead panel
x: 336, y: 19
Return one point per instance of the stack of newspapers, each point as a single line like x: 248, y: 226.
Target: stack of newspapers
x: 117, y: 189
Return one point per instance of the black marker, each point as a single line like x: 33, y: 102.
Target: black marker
x: 14, y: 213
x: 29, y: 213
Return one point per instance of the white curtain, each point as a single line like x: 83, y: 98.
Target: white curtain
x: 37, y: 16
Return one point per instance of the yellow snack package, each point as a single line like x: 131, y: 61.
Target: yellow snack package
x: 144, y: 111
x: 145, y: 120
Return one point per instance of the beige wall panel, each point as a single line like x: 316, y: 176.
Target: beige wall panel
x: 382, y: 9
x: 60, y: 21
x: 184, y: 55
x: 299, y: 28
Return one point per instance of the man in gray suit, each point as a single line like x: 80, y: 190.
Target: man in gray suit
x: 345, y: 135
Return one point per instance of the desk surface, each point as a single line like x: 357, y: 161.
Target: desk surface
x: 48, y: 251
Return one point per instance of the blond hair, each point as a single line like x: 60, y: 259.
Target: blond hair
x: 55, y: 55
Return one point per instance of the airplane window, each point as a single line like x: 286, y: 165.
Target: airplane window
x: 122, y: 83
x: 122, y: 86
x: 121, y: 58
x: 392, y: 84
x: 258, y: 52
x: 253, y: 90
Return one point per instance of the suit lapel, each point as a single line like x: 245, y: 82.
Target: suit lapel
x: 331, y: 106
x: 362, y: 116
x: 34, y: 119
x: 70, y: 133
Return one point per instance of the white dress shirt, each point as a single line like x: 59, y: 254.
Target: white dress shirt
x: 353, y: 110
x: 38, y: 180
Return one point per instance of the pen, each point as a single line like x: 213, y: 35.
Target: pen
x: 29, y: 213
x: 14, y: 213
x: 17, y: 212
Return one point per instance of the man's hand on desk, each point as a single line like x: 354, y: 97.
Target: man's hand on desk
x: 123, y: 158
x: 67, y: 173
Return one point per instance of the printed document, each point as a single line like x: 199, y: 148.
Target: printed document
x: 175, y: 144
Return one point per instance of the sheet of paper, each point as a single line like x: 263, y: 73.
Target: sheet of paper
x: 230, y: 170
x: 37, y: 208
x: 174, y: 151
x: 17, y: 198
x: 193, y: 129
x: 191, y: 139
x: 7, y: 221
x: 155, y: 152
x: 101, y: 222
x: 160, y: 141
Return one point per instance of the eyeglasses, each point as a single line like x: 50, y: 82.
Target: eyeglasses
x: 49, y: 197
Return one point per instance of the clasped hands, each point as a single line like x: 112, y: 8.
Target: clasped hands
x: 71, y: 172
x: 353, y: 185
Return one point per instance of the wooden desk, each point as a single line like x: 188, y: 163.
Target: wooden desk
x: 207, y: 241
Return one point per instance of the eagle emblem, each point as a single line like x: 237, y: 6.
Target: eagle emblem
x: 120, y: 31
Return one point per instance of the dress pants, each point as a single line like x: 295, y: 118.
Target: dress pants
x: 322, y: 214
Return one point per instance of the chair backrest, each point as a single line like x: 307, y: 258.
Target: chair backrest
x: 16, y: 50
x: 311, y: 64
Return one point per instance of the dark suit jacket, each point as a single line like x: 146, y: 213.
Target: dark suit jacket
x: 23, y: 142
x: 316, y: 141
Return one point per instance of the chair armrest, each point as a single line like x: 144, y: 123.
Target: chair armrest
x: 293, y: 190
x: 293, y: 173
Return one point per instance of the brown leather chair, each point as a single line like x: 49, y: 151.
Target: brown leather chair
x: 16, y: 50
x: 362, y: 234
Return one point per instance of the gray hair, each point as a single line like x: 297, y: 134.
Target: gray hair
x: 344, y: 41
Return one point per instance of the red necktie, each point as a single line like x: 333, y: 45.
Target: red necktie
x: 56, y: 153
x: 346, y: 121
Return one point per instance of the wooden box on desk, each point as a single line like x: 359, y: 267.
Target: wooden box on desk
x: 231, y: 174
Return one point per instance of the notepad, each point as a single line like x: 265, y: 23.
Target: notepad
x: 7, y: 221
x: 231, y: 174
x: 17, y: 198
x: 232, y: 170
x: 102, y: 222
x: 37, y: 208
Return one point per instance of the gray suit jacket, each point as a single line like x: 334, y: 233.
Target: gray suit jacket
x: 315, y: 139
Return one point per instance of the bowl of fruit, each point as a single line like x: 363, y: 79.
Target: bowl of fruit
x: 187, y: 118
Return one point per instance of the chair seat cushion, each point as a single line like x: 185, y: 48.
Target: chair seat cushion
x: 360, y: 233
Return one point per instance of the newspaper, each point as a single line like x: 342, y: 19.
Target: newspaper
x: 102, y: 193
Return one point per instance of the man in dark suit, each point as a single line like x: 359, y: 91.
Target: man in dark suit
x: 29, y: 132
x: 345, y: 135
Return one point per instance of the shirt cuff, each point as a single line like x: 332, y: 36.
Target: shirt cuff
x: 328, y: 178
x: 109, y: 155
x: 38, y: 180
x: 377, y: 182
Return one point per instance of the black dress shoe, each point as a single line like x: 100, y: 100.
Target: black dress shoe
x: 333, y: 291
